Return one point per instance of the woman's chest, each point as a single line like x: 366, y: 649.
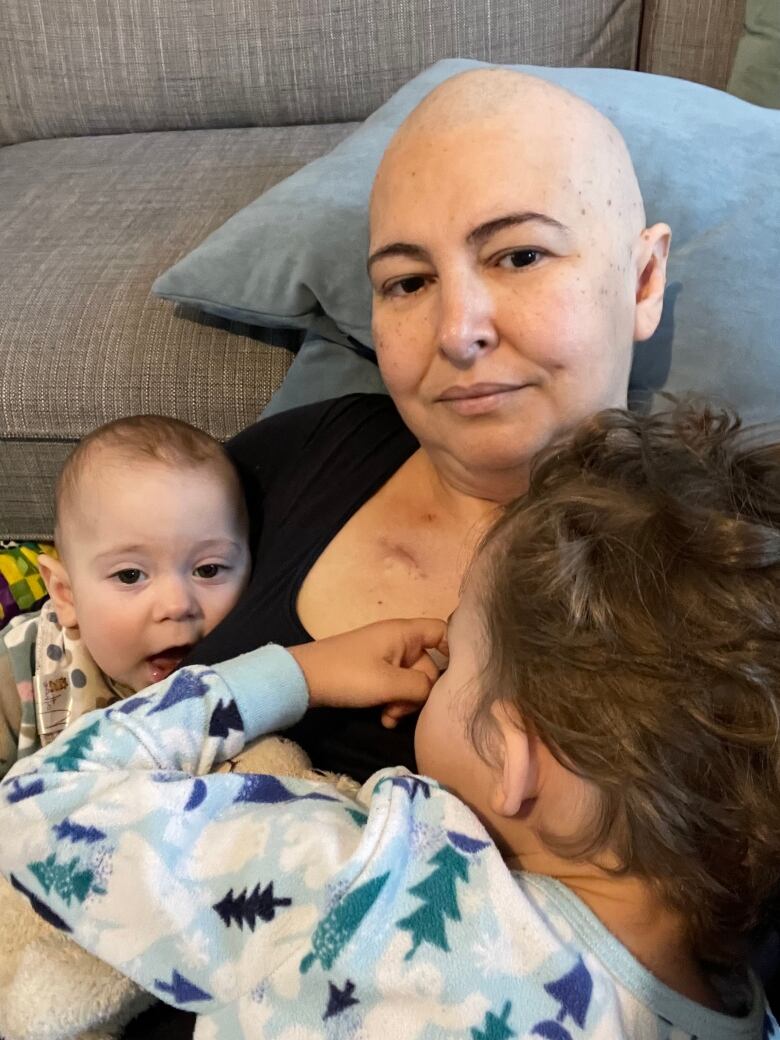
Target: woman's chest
x: 383, y: 563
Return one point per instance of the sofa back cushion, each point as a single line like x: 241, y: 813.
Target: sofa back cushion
x: 75, y: 67
x: 691, y: 40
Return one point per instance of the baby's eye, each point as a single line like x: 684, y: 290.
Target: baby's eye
x: 209, y: 570
x: 405, y: 286
x: 519, y: 258
x: 128, y: 575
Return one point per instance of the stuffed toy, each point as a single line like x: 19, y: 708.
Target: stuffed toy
x: 52, y: 989
x: 21, y: 585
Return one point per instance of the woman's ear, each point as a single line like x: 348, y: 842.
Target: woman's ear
x: 59, y: 588
x: 516, y: 780
x: 652, y: 255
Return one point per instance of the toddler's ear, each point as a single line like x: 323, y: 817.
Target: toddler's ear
x: 516, y: 780
x: 59, y: 588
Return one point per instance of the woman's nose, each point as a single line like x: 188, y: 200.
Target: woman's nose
x: 466, y: 321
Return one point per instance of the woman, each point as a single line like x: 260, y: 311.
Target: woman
x: 511, y: 273
x: 509, y: 283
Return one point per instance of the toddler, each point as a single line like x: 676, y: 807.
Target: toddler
x: 151, y: 531
x: 596, y: 826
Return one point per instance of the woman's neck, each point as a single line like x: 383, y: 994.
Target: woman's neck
x: 466, y: 501
x: 454, y: 480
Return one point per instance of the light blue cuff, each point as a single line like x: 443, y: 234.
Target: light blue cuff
x: 268, y: 687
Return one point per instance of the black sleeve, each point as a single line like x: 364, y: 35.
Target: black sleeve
x: 304, y: 472
x: 265, y: 451
x: 262, y: 450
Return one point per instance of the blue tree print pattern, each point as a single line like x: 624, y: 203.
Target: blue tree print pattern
x: 573, y: 991
x: 495, y: 1027
x: 439, y: 900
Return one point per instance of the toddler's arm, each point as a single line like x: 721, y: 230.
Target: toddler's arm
x: 169, y: 874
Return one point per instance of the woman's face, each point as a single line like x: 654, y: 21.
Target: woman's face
x: 503, y: 297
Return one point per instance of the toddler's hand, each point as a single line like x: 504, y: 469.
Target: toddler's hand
x: 383, y: 663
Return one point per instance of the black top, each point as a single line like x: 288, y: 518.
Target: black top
x: 305, y: 473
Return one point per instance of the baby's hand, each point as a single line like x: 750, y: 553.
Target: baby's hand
x: 384, y: 663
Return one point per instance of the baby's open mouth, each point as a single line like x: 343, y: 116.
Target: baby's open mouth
x: 166, y: 661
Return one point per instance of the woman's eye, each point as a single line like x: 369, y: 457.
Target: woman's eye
x: 405, y: 286
x: 129, y: 575
x: 208, y: 570
x: 519, y: 258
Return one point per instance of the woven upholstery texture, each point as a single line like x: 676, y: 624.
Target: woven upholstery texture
x: 28, y: 470
x: 88, y: 224
x: 77, y: 67
x: 695, y: 39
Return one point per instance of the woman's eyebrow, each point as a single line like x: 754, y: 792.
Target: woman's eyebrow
x: 407, y: 249
x: 482, y: 232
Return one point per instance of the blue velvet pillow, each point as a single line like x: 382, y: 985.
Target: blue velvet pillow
x: 708, y: 164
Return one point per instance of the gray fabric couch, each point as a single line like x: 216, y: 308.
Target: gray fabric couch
x: 131, y: 129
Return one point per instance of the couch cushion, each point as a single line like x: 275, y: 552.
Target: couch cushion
x: 755, y: 75
x: 708, y: 163
x: 695, y: 40
x: 90, y: 66
x: 87, y: 226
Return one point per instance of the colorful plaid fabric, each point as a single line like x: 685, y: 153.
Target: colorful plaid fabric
x: 21, y: 585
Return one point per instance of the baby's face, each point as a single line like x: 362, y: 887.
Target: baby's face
x: 156, y: 558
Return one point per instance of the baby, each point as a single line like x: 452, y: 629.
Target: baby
x: 596, y: 827
x: 152, y: 535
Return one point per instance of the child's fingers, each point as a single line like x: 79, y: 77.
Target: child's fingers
x: 412, y: 681
x: 427, y: 666
x: 440, y: 655
x: 393, y: 713
x: 407, y: 685
x: 410, y: 688
x: 381, y: 663
x: 422, y: 634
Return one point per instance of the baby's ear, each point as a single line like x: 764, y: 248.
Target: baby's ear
x: 59, y: 588
x: 516, y: 780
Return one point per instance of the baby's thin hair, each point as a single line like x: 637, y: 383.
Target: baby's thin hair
x: 632, y: 612
x: 145, y: 438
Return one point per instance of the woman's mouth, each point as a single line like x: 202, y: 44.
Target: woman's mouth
x: 478, y: 398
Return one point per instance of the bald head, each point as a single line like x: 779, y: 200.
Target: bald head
x: 557, y: 134
x: 508, y: 250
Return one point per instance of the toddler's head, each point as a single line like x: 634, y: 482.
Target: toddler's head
x: 613, y: 692
x: 151, y: 529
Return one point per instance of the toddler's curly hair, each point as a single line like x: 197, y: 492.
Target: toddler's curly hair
x: 632, y: 611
